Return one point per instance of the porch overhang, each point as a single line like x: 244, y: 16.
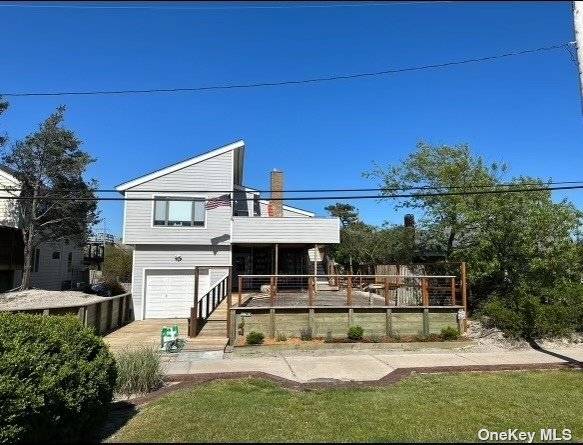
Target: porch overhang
x: 286, y: 230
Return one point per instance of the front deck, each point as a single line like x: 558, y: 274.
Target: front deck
x: 327, y: 306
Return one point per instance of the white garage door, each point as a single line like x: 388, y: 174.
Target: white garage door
x: 169, y: 293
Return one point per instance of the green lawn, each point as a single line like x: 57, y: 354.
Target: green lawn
x: 448, y: 407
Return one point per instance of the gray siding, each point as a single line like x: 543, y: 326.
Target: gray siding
x: 212, y: 174
x: 286, y: 230
x: 51, y: 273
x: 164, y: 257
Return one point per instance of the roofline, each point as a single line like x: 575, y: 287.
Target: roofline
x: 286, y: 207
x: 180, y: 165
x: 8, y: 176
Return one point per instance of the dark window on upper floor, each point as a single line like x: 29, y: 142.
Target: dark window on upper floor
x: 179, y: 212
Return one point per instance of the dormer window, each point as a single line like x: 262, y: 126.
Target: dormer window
x: 179, y: 212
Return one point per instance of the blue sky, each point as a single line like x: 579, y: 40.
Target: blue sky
x: 523, y: 110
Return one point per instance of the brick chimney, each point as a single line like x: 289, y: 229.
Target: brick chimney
x: 276, y: 205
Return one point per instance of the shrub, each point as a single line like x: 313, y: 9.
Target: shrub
x: 255, y: 338
x: 56, y: 378
x: 281, y: 336
x: 450, y: 333
x: 552, y: 312
x: 355, y: 333
x: 375, y: 338
x: 138, y: 371
x: 306, y: 334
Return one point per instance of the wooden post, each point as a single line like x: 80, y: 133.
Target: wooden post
x: 426, y: 322
x: 240, y: 296
x: 389, y: 323
x: 315, y: 265
x: 425, y: 291
x: 387, y: 302
x: 193, y: 325
x: 229, y: 297
x: 464, y: 293
x: 453, y: 291
x: 271, y: 291
x: 311, y: 291
x: 98, y: 317
x: 349, y: 291
x: 271, y: 323
x: 196, y: 281
x: 123, y: 307
x: 110, y: 315
x: 276, y: 265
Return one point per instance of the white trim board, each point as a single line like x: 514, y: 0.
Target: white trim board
x: 179, y: 166
x: 8, y: 176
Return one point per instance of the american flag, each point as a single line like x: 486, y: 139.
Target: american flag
x: 223, y: 200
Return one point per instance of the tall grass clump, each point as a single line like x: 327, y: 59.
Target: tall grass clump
x: 138, y: 371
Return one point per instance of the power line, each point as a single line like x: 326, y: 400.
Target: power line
x: 219, y: 8
x: 372, y: 189
x: 291, y: 82
x: 316, y: 198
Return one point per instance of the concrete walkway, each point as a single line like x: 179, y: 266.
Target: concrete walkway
x: 359, y: 365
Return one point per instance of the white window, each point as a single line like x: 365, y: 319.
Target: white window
x: 181, y: 212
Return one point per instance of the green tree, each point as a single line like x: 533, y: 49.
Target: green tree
x: 347, y: 213
x: 437, y: 169
x: 3, y: 108
x: 521, y: 246
x: 117, y: 263
x: 56, y: 202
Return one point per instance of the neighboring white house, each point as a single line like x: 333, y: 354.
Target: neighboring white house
x: 55, y: 265
x: 173, y: 227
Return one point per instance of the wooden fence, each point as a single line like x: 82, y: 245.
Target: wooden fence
x: 105, y: 315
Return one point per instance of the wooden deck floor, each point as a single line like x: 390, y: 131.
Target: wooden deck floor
x: 140, y: 333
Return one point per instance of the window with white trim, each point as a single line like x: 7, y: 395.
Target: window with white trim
x: 179, y: 212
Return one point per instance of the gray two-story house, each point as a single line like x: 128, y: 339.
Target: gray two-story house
x: 198, y: 213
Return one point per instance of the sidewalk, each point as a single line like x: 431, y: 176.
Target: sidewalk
x: 359, y: 365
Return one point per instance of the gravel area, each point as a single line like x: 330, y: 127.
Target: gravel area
x: 44, y: 299
x: 493, y: 339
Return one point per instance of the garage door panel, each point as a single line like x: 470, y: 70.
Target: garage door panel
x: 169, y: 293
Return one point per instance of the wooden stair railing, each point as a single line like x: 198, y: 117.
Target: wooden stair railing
x: 206, y: 306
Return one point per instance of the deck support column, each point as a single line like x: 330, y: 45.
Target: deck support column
x: 426, y: 322
x: 193, y: 325
x: 240, y: 296
x: 389, y: 323
x: 276, y: 264
x: 229, y: 297
x: 464, y: 295
x: 315, y: 267
x: 271, y: 323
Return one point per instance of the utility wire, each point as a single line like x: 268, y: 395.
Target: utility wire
x: 219, y: 8
x: 317, y: 198
x: 290, y: 82
x: 373, y: 189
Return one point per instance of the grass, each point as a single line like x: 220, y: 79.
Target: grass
x: 446, y: 407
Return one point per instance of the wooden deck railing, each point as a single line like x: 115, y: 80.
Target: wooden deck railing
x: 206, y: 305
x: 349, y: 290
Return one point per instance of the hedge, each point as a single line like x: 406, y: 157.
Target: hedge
x: 56, y: 378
